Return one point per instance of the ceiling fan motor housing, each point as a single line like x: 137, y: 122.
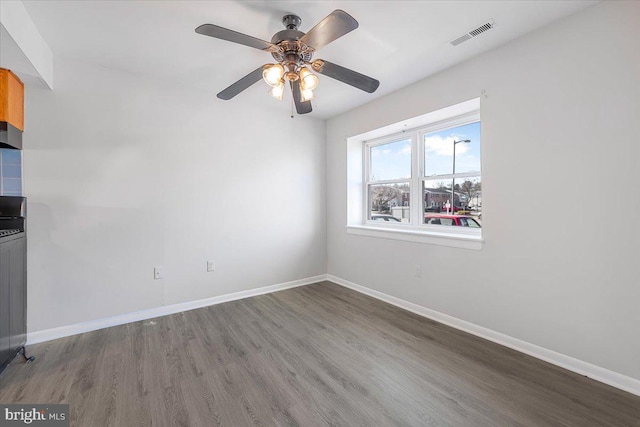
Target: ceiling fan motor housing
x: 288, y: 42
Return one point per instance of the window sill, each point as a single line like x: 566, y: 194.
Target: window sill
x: 453, y: 240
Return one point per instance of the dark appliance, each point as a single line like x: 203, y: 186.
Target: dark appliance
x: 10, y: 136
x: 13, y: 279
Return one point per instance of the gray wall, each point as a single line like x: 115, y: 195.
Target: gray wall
x: 559, y: 124
x: 124, y: 173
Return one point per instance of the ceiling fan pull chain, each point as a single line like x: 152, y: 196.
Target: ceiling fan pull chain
x: 292, y: 107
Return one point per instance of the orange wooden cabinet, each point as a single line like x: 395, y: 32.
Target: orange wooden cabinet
x: 11, y: 99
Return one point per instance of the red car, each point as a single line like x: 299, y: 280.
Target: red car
x: 456, y: 220
x: 444, y: 209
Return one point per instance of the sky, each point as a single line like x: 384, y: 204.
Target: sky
x: 393, y: 160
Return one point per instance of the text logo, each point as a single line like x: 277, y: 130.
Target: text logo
x: 34, y: 415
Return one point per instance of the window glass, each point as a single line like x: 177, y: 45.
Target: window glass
x: 384, y: 218
x: 439, y: 148
x: 390, y: 199
x: 467, y: 196
x: 469, y: 222
x: 439, y: 220
x: 437, y: 195
x: 391, y: 161
x: 468, y: 191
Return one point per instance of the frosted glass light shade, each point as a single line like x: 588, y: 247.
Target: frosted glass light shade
x: 272, y: 74
x: 278, y: 90
x: 306, y: 94
x: 308, y: 80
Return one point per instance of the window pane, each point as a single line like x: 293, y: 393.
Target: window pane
x: 469, y: 191
x: 389, y: 203
x: 468, y: 222
x: 437, y: 193
x: 438, y: 150
x: 391, y: 161
x: 467, y: 199
x: 439, y: 219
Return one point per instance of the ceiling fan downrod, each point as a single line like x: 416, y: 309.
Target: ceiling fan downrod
x: 291, y: 22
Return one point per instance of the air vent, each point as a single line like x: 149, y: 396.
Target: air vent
x: 473, y: 33
x: 459, y: 40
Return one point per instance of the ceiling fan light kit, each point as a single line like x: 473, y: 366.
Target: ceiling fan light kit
x: 308, y: 79
x: 306, y: 95
x: 272, y: 74
x: 293, y: 51
x: 278, y: 90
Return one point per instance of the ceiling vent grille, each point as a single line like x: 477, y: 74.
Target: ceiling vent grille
x: 473, y: 33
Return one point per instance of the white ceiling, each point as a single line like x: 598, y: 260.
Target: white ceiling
x: 398, y: 42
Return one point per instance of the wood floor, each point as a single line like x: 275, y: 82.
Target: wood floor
x: 311, y: 356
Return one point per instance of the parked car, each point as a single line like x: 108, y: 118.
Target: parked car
x: 455, y: 220
x: 451, y: 209
x: 386, y: 218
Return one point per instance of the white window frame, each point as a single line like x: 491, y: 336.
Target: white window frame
x: 415, y: 230
x: 367, y: 172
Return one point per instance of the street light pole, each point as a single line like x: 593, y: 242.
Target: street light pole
x: 453, y: 178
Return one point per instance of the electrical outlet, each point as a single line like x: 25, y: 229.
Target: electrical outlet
x: 158, y: 273
x: 418, y: 272
x: 211, y: 265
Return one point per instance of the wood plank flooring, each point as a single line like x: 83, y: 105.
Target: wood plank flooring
x: 316, y: 355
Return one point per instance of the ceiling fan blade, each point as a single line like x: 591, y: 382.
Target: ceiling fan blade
x: 334, y: 26
x: 345, y: 75
x: 301, y: 107
x: 234, y: 36
x: 241, y: 84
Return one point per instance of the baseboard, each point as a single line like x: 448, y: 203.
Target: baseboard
x: 93, y: 325
x: 597, y: 373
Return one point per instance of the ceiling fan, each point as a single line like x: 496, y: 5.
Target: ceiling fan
x: 293, y: 51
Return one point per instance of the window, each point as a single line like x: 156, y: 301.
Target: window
x: 388, y: 183
x: 423, y: 180
x: 452, y: 181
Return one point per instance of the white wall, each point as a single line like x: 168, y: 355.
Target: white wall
x: 559, y: 124
x: 123, y: 173
x: 22, y: 48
